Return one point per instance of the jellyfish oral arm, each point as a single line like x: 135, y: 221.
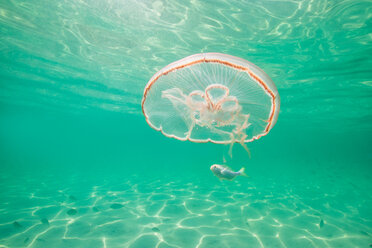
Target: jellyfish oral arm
x: 211, y: 109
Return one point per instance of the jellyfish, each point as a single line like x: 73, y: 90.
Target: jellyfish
x: 211, y: 97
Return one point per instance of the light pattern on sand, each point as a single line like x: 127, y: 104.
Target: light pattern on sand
x: 176, y: 214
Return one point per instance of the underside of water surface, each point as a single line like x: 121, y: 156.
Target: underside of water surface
x: 81, y: 167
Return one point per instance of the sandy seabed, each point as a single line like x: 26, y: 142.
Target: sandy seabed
x: 180, y: 213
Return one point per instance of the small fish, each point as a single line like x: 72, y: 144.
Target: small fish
x: 225, y: 173
x: 16, y: 224
x: 72, y: 198
x: 116, y: 206
x: 321, y: 223
x: 72, y: 211
x: 44, y: 221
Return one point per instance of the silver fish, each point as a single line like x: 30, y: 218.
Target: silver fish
x: 225, y: 173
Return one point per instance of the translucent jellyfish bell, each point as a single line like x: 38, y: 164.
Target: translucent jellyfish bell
x: 211, y: 97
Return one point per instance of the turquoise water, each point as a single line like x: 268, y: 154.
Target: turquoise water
x: 80, y: 167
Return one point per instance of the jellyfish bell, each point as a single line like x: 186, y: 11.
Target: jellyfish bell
x: 211, y: 97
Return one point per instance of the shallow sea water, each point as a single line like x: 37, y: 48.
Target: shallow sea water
x: 80, y: 167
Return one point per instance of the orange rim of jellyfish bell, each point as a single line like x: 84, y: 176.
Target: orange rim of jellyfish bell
x: 226, y: 60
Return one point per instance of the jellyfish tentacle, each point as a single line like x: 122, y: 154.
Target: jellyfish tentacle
x: 238, y: 136
x: 245, y: 147
x: 231, y: 147
x: 188, y: 133
x: 219, y: 130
